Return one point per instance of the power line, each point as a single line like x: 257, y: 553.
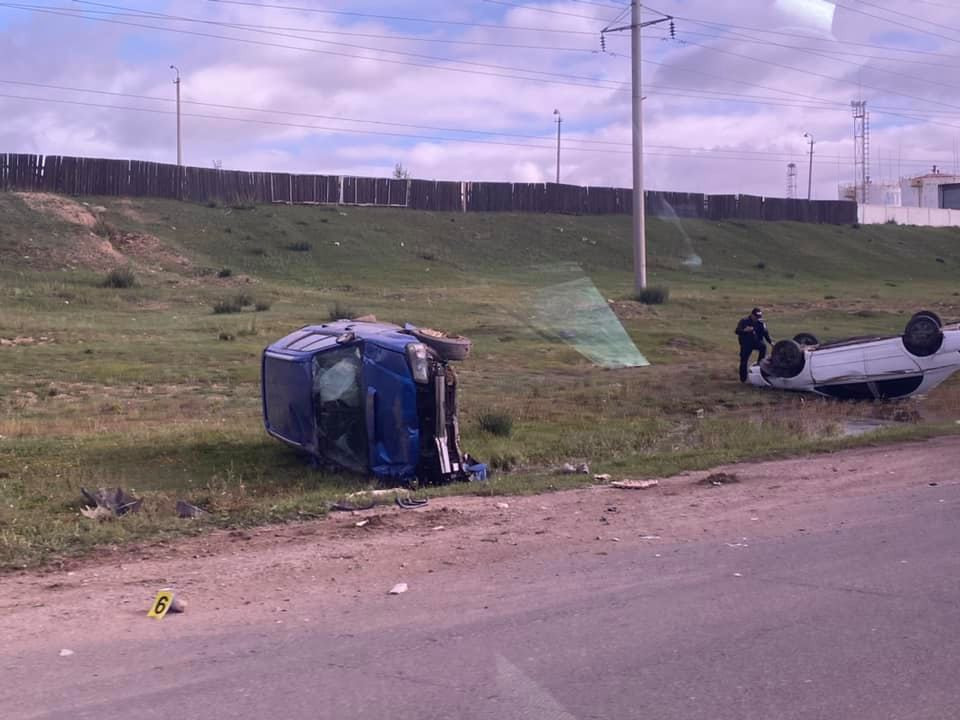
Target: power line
x: 161, y: 16
x: 765, y: 31
x: 396, y: 18
x: 813, y: 73
x: 898, y: 23
x: 594, y: 83
x: 740, y: 152
x: 826, y: 53
x: 543, y: 10
x: 291, y: 113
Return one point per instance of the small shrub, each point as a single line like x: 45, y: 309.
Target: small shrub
x: 789, y: 276
x: 226, y: 337
x: 829, y: 297
x: 496, y: 423
x: 228, y: 230
x: 225, y: 273
x: 206, y: 271
x: 428, y: 256
x: 212, y: 204
x: 761, y: 265
x: 940, y: 260
x: 299, y: 246
x: 654, y: 295
x: 304, y: 223
x: 258, y: 251
x: 339, y: 311
x: 243, y: 299
x: 226, y: 306
x: 892, y: 221
x: 120, y: 278
x: 855, y: 226
x: 104, y: 229
x: 261, y: 306
x: 504, y: 461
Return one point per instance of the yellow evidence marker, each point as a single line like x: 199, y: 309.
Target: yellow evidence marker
x: 161, y: 604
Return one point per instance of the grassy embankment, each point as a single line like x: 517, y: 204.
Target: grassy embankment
x: 146, y: 387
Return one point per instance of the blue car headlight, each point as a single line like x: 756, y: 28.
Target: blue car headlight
x: 418, y: 361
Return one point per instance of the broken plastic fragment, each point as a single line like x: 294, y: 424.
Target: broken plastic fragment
x: 398, y: 589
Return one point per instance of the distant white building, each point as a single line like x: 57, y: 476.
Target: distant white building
x: 933, y: 190
x: 889, y: 194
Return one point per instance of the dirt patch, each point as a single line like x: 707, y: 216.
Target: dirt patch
x: 149, y: 249
x: 62, y: 208
x: 131, y: 211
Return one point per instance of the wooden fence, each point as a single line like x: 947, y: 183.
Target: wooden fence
x: 137, y: 178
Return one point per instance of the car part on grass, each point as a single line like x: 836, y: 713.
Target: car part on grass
x: 787, y: 359
x: 866, y: 368
x: 115, y: 500
x: 411, y: 503
x: 369, y: 397
x: 447, y: 346
x: 923, y: 335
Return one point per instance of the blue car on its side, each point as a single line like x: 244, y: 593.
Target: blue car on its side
x: 369, y: 396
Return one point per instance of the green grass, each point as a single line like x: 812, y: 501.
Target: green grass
x: 134, y: 386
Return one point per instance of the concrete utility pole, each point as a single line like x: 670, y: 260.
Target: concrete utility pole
x: 179, y: 143
x: 639, y: 211
x: 559, y: 122
x: 810, y: 171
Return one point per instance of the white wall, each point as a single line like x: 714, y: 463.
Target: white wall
x: 931, y: 217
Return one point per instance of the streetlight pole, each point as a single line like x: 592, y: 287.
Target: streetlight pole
x: 810, y: 170
x: 179, y: 144
x: 559, y: 122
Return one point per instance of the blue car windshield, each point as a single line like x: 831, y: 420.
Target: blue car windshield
x: 338, y: 400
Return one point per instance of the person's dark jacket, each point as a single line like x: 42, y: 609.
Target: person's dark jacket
x: 755, y: 338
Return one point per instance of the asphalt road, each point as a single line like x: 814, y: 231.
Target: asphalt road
x: 852, y: 612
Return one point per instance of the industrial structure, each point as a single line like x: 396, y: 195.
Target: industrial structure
x: 791, y: 181
x: 933, y: 190
x: 861, y: 150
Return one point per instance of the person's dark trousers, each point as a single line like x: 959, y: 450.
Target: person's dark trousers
x: 745, y: 352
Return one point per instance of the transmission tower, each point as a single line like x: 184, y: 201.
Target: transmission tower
x: 792, y: 180
x: 861, y: 150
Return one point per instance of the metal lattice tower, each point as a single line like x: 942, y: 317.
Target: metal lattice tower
x: 792, y: 180
x: 861, y: 150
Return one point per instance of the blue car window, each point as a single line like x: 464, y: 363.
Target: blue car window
x: 338, y: 400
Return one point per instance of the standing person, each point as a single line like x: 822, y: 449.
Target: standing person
x: 753, y: 335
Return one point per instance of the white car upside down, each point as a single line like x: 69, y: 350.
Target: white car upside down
x: 866, y: 368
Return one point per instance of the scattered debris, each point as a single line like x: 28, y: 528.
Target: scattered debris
x: 380, y: 493
x: 571, y: 469
x: 408, y: 503
x: 718, y: 479
x: 398, y: 589
x: 187, y: 510
x: 350, y: 507
x: 440, y: 527
x: 568, y: 469
x: 503, y: 505
x: 738, y: 574
x: 603, y: 477
x: 66, y: 653
x: 115, y: 501
x: 100, y: 514
x: 634, y: 484
x: 700, y: 412
x: 362, y: 523
x: 649, y: 537
x: 614, y: 539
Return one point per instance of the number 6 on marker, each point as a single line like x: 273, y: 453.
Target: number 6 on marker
x: 161, y: 604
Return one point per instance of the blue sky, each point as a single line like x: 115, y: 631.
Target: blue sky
x: 727, y: 104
